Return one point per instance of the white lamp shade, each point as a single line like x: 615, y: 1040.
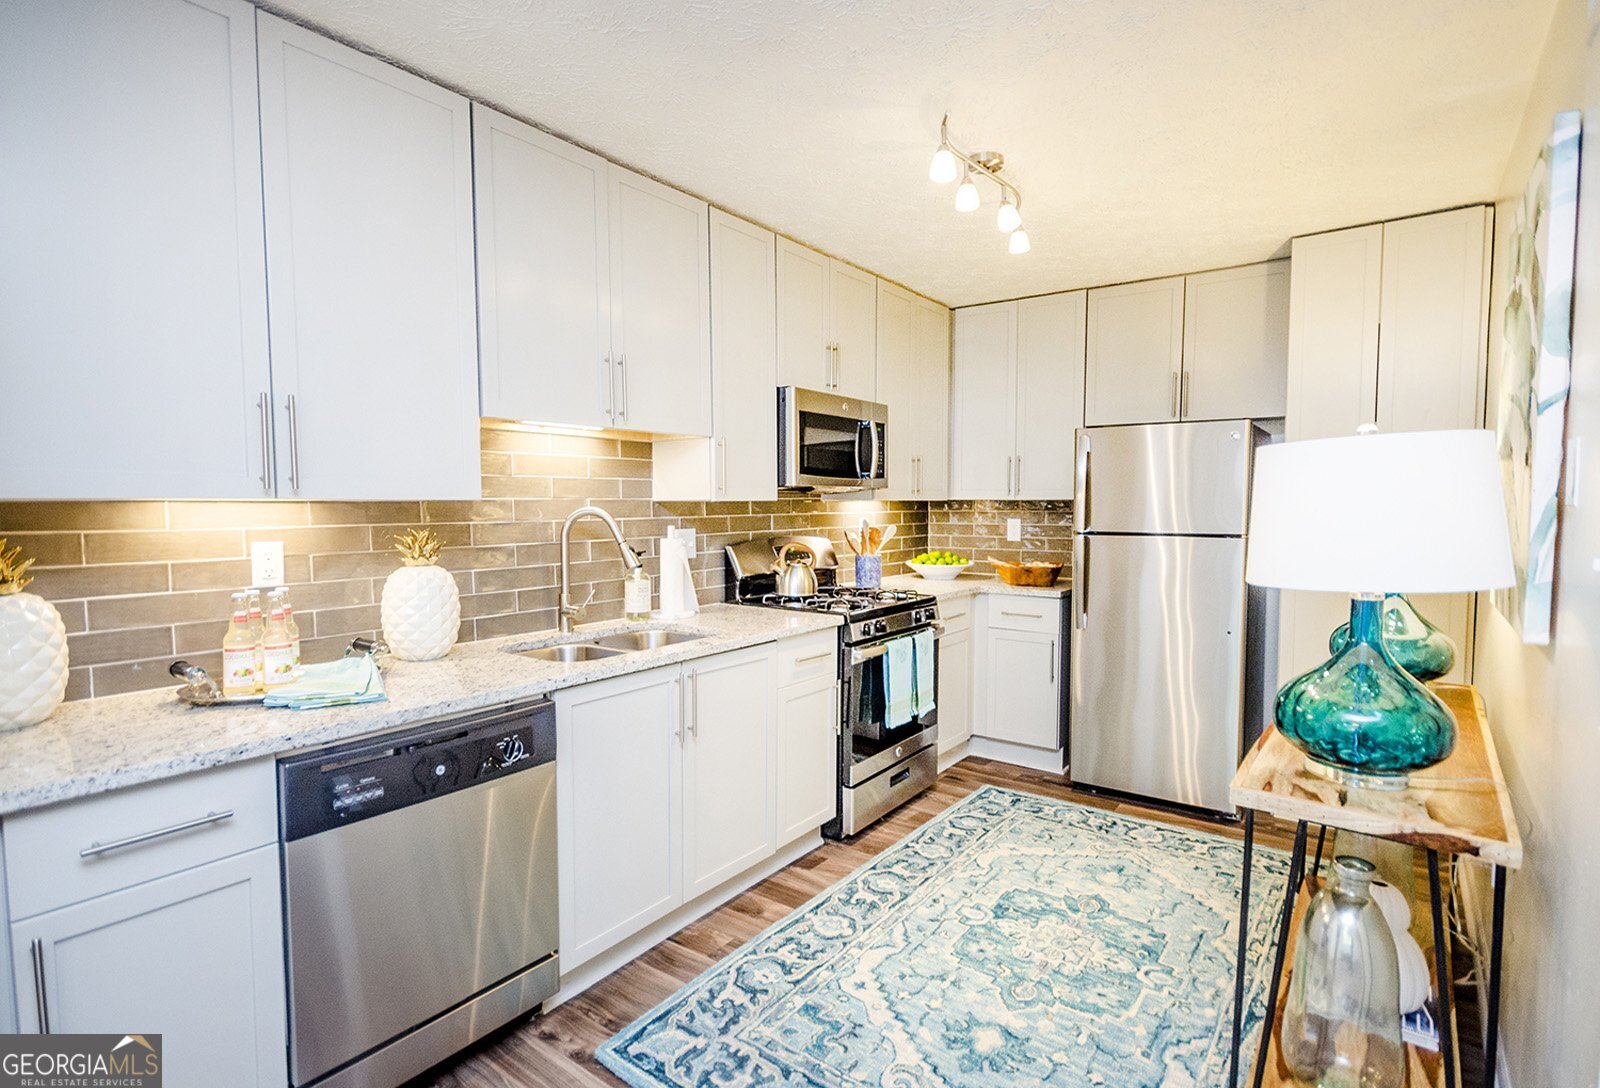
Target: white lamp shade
x: 943, y: 168
x: 1419, y: 512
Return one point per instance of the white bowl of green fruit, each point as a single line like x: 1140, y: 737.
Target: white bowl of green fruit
x: 939, y: 566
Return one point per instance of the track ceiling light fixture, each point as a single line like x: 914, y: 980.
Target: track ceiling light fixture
x: 950, y: 162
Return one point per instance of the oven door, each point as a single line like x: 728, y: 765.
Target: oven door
x: 830, y: 443
x: 872, y: 743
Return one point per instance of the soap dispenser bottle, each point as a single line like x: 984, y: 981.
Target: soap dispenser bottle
x: 636, y: 594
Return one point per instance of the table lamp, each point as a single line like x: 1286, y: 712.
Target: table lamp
x: 1370, y: 515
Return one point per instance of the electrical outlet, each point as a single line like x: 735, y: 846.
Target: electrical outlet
x: 685, y: 534
x: 1014, y: 529
x: 266, y: 563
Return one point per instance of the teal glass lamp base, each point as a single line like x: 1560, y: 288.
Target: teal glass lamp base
x: 1417, y: 646
x: 1360, y: 716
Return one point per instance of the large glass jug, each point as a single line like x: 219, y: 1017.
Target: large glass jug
x: 1341, y: 1024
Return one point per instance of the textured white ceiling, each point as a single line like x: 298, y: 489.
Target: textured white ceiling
x: 1148, y: 136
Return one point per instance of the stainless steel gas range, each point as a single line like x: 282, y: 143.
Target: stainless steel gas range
x: 881, y: 765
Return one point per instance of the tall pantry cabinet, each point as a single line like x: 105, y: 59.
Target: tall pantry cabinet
x: 1388, y: 325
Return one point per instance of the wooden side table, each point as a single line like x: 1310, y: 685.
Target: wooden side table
x: 1460, y: 806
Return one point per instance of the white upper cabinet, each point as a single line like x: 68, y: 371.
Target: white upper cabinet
x: 740, y: 461
x: 1017, y: 397
x: 1388, y: 325
x: 133, y: 320
x: 660, y: 307
x: 368, y: 184
x: 1049, y: 393
x: 931, y: 343
x: 827, y: 323
x: 1432, y: 363
x: 1134, y: 357
x: 1236, y: 342
x: 1334, y: 293
x: 983, y: 408
x: 544, y: 287
x: 853, y: 303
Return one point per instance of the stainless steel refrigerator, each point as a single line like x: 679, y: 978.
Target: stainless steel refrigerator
x: 1171, y: 651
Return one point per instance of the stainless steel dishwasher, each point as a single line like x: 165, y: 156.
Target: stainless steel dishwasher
x: 419, y: 892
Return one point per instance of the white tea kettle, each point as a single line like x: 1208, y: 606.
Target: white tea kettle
x: 797, y: 576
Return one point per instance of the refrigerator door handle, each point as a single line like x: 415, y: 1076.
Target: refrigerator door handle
x: 1080, y: 496
x: 1080, y: 581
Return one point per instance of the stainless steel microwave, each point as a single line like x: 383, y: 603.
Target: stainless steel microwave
x: 829, y: 443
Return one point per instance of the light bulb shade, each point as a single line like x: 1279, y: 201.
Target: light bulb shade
x: 1418, y: 512
x: 943, y: 168
x: 1019, y: 242
x: 1008, y: 218
x: 967, y: 196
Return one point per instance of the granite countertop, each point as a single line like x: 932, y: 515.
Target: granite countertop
x: 973, y: 585
x: 95, y: 745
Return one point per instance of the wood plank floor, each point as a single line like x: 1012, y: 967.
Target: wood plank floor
x: 557, y: 1050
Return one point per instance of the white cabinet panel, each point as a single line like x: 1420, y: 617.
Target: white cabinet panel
x: 805, y: 354
x: 808, y: 753
x: 853, y: 305
x: 983, y: 404
x: 1049, y: 393
x: 543, y: 275
x: 1334, y: 295
x: 897, y: 386
x: 931, y: 400
x: 132, y: 292
x: 197, y: 957
x: 1023, y: 687
x: 660, y: 307
x: 1432, y: 353
x: 744, y: 359
x: 955, y: 688
x: 368, y: 184
x: 619, y: 808
x: 1236, y: 342
x: 728, y: 767
x: 1135, y: 352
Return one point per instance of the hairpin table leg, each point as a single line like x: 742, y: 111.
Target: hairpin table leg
x: 1244, y: 936
x: 1441, y: 969
x: 1297, y: 865
x: 1491, y: 1046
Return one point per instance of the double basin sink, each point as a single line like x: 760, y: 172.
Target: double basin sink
x: 598, y: 649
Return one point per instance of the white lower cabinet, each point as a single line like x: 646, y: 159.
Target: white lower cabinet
x: 1020, y: 664
x: 727, y: 767
x: 668, y: 783
x: 808, y: 747
x: 955, y: 674
x: 196, y: 956
x: 619, y: 808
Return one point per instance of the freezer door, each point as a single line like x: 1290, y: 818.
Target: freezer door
x: 1158, y: 666
x: 1186, y: 479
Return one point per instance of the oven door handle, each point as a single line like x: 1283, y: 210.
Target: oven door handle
x: 861, y: 657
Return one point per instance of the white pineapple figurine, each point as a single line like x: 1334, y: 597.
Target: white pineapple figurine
x: 33, y: 648
x: 421, y: 605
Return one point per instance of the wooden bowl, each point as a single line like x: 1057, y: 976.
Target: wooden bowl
x: 1026, y: 574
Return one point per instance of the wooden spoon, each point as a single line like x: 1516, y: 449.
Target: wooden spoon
x: 888, y: 535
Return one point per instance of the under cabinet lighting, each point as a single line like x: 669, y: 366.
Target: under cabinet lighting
x: 948, y: 161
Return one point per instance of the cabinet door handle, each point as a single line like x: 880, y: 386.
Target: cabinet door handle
x: 683, y: 710
x: 694, y: 705
x: 813, y: 657
x: 1019, y: 476
x: 264, y: 404
x: 294, y: 444
x: 1022, y: 615
x: 1174, y: 398
x: 722, y: 466
x: 1009, y: 462
x: 622, y: 381
x: 41, y: 1000
x: 1052, y: 661
x: 918, y: 463
x: 608, y: 389
x: 95, y: 849
x: 1183, y: 398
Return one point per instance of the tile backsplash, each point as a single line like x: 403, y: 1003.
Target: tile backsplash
x: 140, y: 583
x: 977, y: 528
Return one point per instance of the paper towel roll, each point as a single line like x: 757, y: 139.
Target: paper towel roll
x: 674, y: 561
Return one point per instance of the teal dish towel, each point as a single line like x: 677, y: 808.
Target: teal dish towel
x: 902, y: 701
x: 922, y: 651
x: 333, y: 683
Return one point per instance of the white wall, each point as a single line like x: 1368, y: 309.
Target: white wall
x: 1544, y: 702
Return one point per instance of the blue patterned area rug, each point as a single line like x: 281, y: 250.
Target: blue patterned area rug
x: 1015, y: 940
